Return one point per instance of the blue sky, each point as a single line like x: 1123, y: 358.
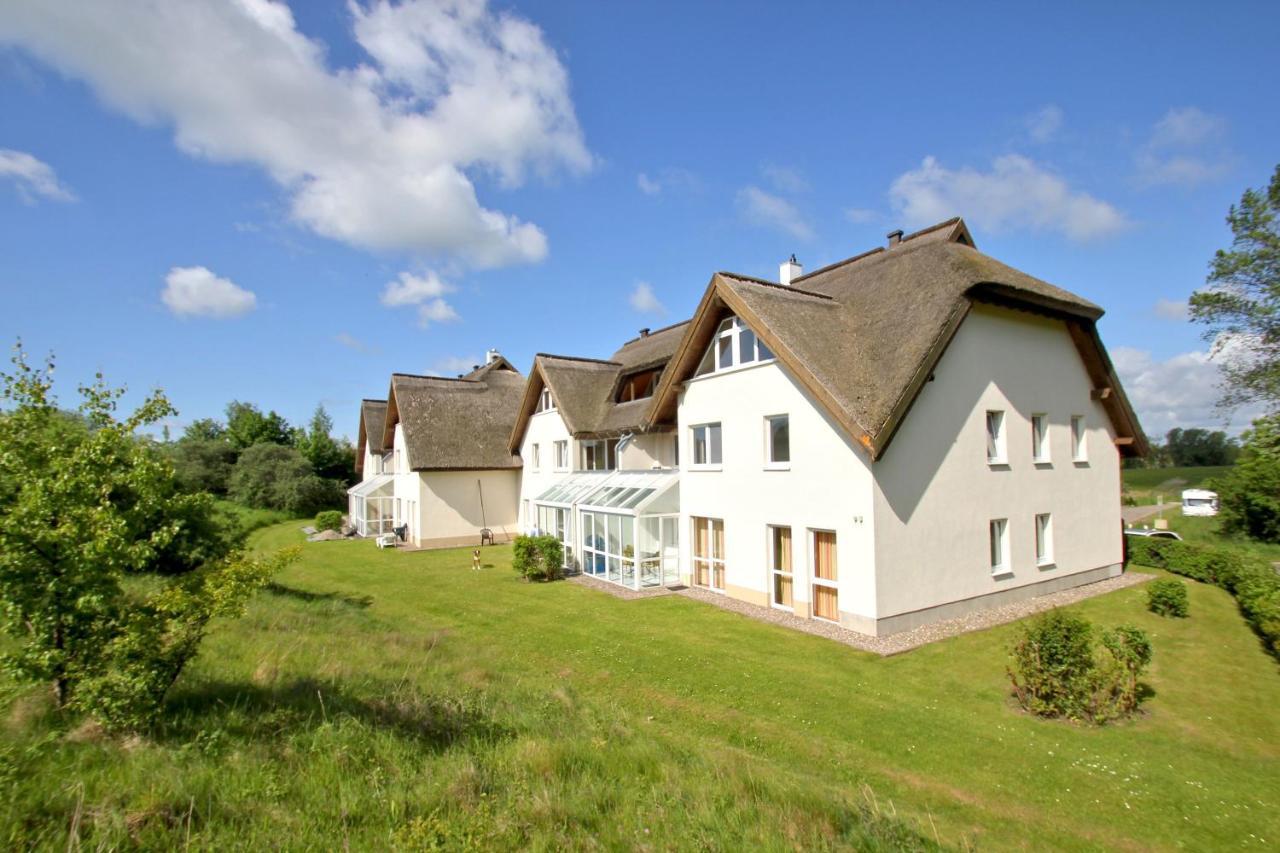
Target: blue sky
x: 243, y: 200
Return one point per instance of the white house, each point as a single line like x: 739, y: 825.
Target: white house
x: 909, y: 435
x: 439, y: 465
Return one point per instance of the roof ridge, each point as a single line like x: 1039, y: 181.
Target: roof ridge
x: 876, y: 251
x: 914, y: 234
x: 788, y: 288
x: 372, y: 399
x: 441, y: 378
x: 653, y: 332
x: 577, y: 358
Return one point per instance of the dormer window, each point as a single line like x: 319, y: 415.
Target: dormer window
x: 734, y: 345
x: 639, y: 385
x: 545, y: 403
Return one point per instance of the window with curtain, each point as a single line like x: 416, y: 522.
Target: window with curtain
x: 782, y: 578
x: 708, y: 553
x: 826, y: 603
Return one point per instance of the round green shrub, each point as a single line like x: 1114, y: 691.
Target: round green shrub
x: 330, y: 519
x: 1168, y: 597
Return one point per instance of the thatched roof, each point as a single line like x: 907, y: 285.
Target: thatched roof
x: 863, y: 335
x: 584, y: 389
x: 373, y: 416
x: 456, y: 423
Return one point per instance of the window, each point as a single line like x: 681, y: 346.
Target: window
x: 555, y: 521
x: 599, y: 454
x: 1044, y: 539
x: 826, y: 603
x: 1079, y: 450
x: 995, y: 438
x: 609, y: 546
x: 1040, y: 438
x: 733, y: 344
x: 397, y: 469
x: 537, y: 457
x: 708, y: 553
x: 638, y: 386
x: 562, y: 455
x: 778, y: 441
x: 545, y: 403
x: 781, y: 579
x: 999, y: 535
x: 706, y: 445
x: 527, y: 515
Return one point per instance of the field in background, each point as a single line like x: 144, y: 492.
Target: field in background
x: 1143, y: 484
x: 374, y: 699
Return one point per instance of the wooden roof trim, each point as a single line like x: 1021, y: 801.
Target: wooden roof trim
x: 1103, y: 376
x: 532, y: 388
x: 664, y: 396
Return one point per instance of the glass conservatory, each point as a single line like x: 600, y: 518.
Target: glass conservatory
x: 628, y: 523
x: 370, y: 505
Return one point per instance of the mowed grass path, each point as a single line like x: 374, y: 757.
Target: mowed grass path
x: 400, y: 699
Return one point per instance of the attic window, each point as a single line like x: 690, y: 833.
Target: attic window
x: 734, y: 345
x: 638, y: 386
x: 545, y: 403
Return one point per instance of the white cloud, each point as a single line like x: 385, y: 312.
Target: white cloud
x: 453, y: 365
x: 785, y: 179
x: 381, y: 155
x: 436, y: 311
x: 410, y: 289
x: 1186, y: 148
x: 197, y: 292
x: 1016, y: 193
x: 1044, y: 123
x: 666, y: 180
x: 644, y: 300
x: 1171, y: 309
x: 766, y: 209
x: 351, y: 342
x: 861, y: 215
x: 32, y: 177
x: 1181, y: 391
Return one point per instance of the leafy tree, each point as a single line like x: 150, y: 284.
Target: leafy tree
x: 202, y: 464
x: 1193, y: 447
x: 272, y: 476
x: 247, y: 426
x: 81, y: 506
x: 205, y: 429
x: 329, y: 458
x: 1241, y: 305
x: 1249, y: 495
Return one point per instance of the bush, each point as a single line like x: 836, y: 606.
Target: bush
x: 1059, y: 671
x: 330, y: 519
x: 1249, y: 495
x: 272, y: 476
x: 1255, y: 585
x: 202, y: 465
x: 538, y: 557
x: 1168, y: 597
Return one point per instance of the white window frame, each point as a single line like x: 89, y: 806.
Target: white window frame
x: 1041, y: 452
x: 998, y: 541
x: 562, y: 455
x: 709, y: 464
x: 1079, y: 439
x: 537, y: 457
x: 775, y: 572
x: 730, y: 337
x: 1044, y: 539
x: 770, y: 463
x: 711, y: 560
x: 816, y: 581
x: 997, y: 443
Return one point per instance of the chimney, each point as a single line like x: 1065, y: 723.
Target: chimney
x: 644, y: 333
x: 789, y: 271
x: 492, y: 355
x: 895, y: 237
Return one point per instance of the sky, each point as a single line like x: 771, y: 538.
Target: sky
x: 284, y: 203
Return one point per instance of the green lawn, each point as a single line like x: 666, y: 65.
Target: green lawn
x: 381, y: 698
x: 1145, y: 483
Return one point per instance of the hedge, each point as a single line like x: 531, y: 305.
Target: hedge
x: 1253, y: 582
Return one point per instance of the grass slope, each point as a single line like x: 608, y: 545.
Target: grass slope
x: 392, y: 699
x: 1145, y: 483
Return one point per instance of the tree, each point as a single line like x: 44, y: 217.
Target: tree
x: 271, y: 476
x: 329, y: 458
x: 1249, y: 496
x: 205, y: 429
x: 202, y: 464
x: 82, y: 505
x: 247, y: 426
x: 1194, y: 447
x: 1241, y: 305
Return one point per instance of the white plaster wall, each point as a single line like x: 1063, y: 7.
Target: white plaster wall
x: 450, y: 506
x: 646, y: 451
x: 406, y: 486
x: 544, y: 429
x: 828, y: 485
x: 935, y: 493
